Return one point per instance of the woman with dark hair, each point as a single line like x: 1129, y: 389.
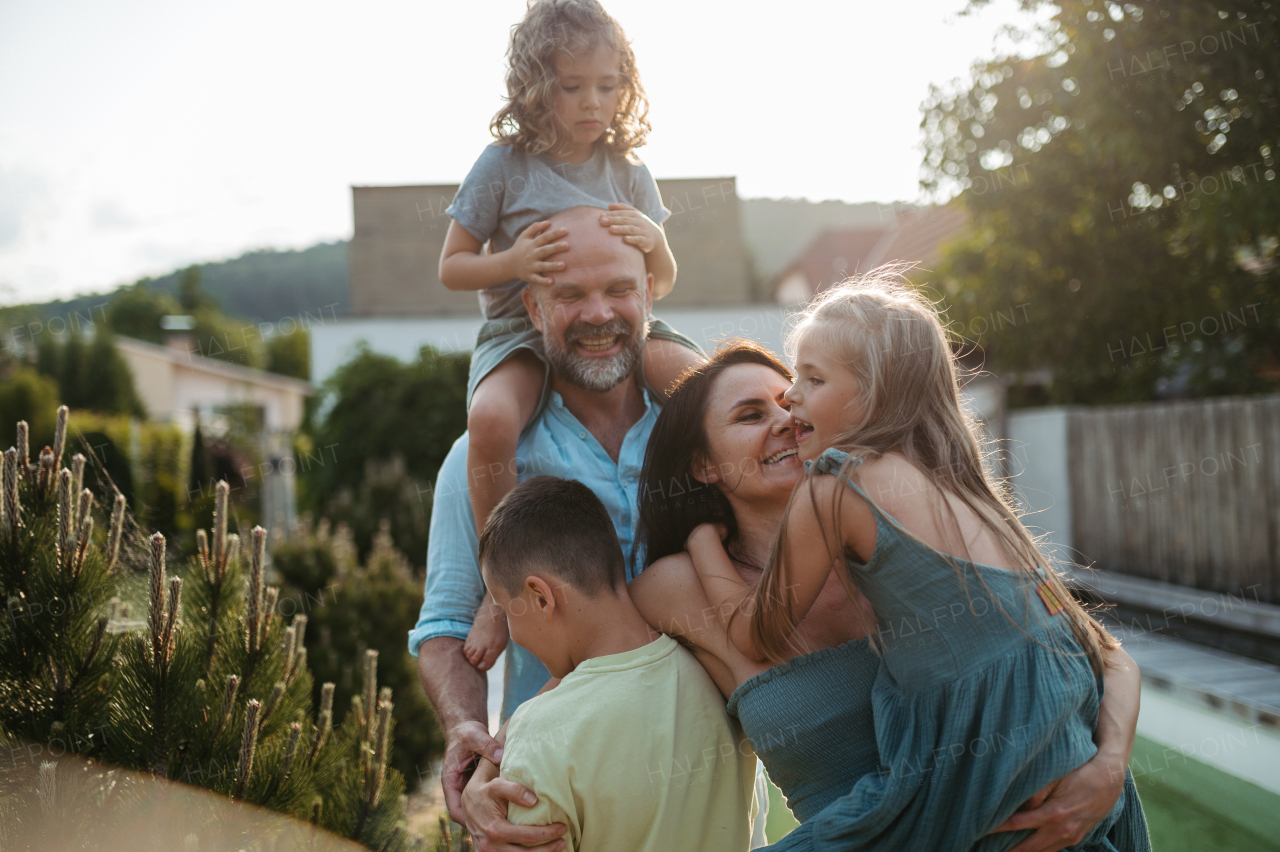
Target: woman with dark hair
x: 724, y: 451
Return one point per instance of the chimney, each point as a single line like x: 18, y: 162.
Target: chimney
x: 177, y: 332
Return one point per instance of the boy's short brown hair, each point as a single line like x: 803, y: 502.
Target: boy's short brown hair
x: 554, y: 525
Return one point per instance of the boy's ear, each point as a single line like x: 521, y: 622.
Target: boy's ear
x: 541, y: 598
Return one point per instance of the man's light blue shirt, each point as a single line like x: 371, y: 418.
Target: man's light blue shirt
x: 556, y: 444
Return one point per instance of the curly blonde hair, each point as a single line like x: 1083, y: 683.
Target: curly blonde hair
x: 565, y: 27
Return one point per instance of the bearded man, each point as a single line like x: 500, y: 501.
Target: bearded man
x: 592, y: 425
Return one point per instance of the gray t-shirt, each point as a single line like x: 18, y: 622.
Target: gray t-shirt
x: 507, y: 191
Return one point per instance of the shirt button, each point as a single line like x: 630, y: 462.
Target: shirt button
x: 582, y: 434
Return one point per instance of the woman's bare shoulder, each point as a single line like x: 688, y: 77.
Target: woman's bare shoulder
x: 670, y: 597
x: 666, y: 583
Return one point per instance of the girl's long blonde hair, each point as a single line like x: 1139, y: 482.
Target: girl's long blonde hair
x: 552, y: 28
x: 893, y: 341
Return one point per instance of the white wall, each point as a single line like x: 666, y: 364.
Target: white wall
x: 1038, y: 462
x: 334, y: 343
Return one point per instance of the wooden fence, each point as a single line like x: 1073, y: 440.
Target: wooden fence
x: 1184, y: 492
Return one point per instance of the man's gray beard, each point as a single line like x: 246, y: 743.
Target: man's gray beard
x: 596, y: 374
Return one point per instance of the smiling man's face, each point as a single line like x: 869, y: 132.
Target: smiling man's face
x: 594, y: 318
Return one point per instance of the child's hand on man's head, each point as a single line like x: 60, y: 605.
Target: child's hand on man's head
x: 634, y: 227
x: 531, y: 249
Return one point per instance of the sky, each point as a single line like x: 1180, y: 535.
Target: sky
x: 140, y: 136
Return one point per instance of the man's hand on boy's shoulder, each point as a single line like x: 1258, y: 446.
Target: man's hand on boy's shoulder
x: 484, y: 807
x: 464, y: 741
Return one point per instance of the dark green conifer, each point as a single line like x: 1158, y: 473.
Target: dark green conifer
x: 212, y: 689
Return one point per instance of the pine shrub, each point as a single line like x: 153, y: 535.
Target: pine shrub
x: 214, y: 691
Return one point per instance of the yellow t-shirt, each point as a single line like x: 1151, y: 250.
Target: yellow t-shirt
x: 634, y: 752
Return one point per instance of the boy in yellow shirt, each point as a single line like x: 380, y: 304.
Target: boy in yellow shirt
x: 633, y: 749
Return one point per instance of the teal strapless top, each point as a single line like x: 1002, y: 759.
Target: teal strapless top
x: 809, y: 720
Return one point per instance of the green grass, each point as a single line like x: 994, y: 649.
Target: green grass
x: 1191, y: 806
x: 780, y: 822
x: 1180, y: 824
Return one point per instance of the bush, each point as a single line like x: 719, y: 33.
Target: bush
x: 387, y: 497
x: 352, y: 607
x: 290, y: 354
x: 27, y: 395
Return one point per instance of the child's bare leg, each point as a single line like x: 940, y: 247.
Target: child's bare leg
x: 665, y: 361
x: 487, y: 637
x: 500, y: 406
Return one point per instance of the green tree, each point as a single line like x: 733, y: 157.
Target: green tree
x: 108, y: 381
x: 290, y: 354
x: 1123, y: 195
x: 93, y: 376
x: 135, y: 311
x: 27, y: 395
x: 190, y: 293
x: 236, y: 341
x: 387, y: 429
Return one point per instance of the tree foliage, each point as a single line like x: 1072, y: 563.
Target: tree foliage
x: 386, y: 429
x: 1124, y: 200
x: 26, y: 394
x: 136, y: 311
x: 289, y: 354
x: 91, y: 376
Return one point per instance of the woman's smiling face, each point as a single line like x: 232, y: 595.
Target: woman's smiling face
x: 824, y: 400
x: 750, y: 439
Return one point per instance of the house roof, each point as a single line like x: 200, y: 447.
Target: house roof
x: 915, y: 237
x: 920, y: 236
x: 213, y: 366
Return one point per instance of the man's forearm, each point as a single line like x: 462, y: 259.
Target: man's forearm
x: 458, y: 692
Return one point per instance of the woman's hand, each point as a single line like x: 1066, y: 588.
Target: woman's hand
x: 1063, y: 812
x: 531, y: 249
x: 484, y: 806
x: 634, y: 227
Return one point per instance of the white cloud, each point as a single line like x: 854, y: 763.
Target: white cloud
x: 24, y: 199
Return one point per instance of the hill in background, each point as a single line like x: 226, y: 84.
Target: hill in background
x: 266, y: 285
x: 263, y: 285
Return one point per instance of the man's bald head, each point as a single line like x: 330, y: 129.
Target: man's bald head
x: 594, y: 316
x: 590, y: 243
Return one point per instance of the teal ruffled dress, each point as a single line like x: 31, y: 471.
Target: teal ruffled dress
x: 982, y: 696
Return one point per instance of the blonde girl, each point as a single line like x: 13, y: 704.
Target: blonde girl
x: 991, y: 673
x: 575, y: 114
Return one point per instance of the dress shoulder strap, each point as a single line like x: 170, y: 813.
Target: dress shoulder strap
x: 833, y: 461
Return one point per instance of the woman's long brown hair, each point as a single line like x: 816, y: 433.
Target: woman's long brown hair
x: 891, y: 339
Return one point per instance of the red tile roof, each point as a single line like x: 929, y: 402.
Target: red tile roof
x: 916, y: 237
